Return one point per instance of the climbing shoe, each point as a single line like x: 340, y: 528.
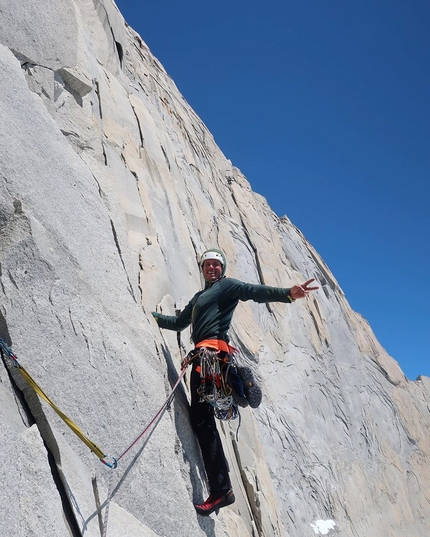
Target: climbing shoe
x: 214, y: 502
x: 236, y: 384
x: 253, y: 392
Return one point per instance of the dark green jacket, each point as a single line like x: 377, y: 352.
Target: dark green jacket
x: 211, y: 310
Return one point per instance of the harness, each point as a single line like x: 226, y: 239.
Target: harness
x: 215, y: 359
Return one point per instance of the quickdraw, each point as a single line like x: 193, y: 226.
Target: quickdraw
x: 214, y: 386
x: 94, y: 448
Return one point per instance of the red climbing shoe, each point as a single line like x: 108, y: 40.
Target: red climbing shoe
x: 215, y: 502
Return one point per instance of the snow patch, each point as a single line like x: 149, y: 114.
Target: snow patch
x: 322, y: 527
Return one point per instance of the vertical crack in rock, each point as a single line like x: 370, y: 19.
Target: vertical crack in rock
x: 101, y: 193
x: 115, y: 236
x: 119, y: 50
x: 319, y: 322
x: 99, y: 101
x: 324, y: 270
x: 4, y: 292
x: 69, y: 515
x: 98, y: 503
x: 139, y: 126
x: 249, y: 490
x: 191, y: 142
x: 165, y: 156
x: 23, y: 409
x: 104, y: 154
x: 254, y: 249
x: 109, y: 29
x: 97, y: 92
x: 27, y: 414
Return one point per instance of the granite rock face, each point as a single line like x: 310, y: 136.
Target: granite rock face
x: 111, y: 187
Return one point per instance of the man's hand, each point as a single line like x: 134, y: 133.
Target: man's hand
x: 300, y: 291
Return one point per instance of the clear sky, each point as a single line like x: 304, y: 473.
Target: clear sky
x: 324, y: 105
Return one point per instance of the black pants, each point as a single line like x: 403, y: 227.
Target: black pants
x: 203, y: 422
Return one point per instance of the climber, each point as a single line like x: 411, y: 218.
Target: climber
x: 210, y: 312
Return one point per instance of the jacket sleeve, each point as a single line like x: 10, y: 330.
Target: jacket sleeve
x: 259, y: 293
x: 171, y: 322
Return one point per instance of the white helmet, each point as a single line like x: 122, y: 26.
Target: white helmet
x: 214, y: 254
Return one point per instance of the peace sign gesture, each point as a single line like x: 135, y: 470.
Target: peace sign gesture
x: 300, y: 291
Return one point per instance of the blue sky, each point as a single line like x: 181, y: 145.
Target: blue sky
x: 325, y: 107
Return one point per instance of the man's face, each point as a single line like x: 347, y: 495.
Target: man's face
x: 212, y: 270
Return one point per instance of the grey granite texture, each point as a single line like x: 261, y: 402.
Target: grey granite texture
x: 111, y: 187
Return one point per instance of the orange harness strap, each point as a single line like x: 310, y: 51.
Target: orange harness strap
x: 216, y: 344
